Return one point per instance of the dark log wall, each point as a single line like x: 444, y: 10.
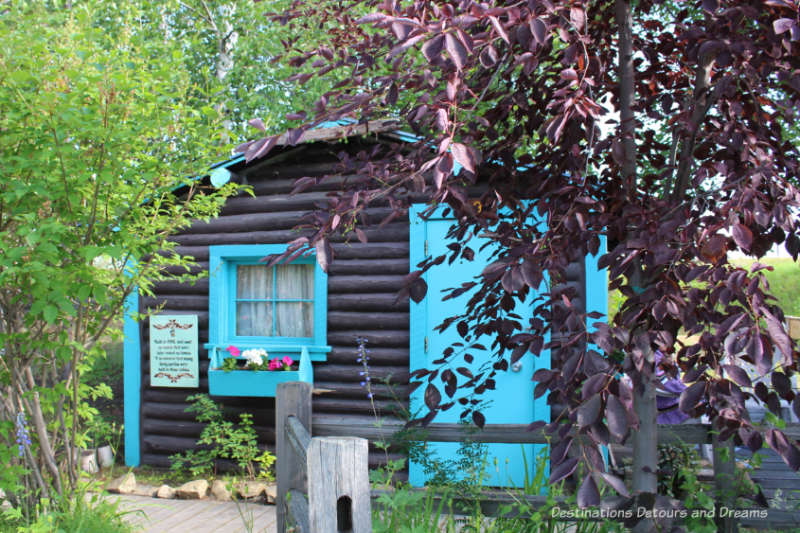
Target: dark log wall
x: 363, y: 283
x: 362, y: 286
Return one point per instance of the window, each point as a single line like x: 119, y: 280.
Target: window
x: 253, y: 305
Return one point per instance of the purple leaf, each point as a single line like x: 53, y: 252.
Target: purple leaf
x: 588, y: 495
x: 464, y: 156
x: 782, y: 25
x: 589, y: 411
x: 478, y: 419
x: 300, y: 115
x: 577, y: 17
x: 432, y: 397
x: 418, y: 289
x: 324, y: 258
x: 432, y: 48
x: 499, y: 28
x: 456, y: 50
x: 691, y: 396
x: 560, y: 450
x: 563, y: 470
x: 616, y: 483
x: 257, y: 123
x: 538, y: 29
x: 778, y: 335
x: 616, y: 417
x: 743, y: 236
x: 738, y: 375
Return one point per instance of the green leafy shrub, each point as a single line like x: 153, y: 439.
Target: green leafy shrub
x: 223, y: 439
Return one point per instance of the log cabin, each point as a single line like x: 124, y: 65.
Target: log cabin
x: 313, y: 316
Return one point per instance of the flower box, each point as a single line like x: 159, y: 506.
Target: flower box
x: 254, y: 383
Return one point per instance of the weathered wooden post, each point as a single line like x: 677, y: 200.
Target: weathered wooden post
x: 725, y: 483
x: 338, y: 485
x: 291, y: 399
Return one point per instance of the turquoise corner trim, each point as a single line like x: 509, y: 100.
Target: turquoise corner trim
x: 132, y: 376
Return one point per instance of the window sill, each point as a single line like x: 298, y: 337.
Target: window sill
x: 252, y: 383
x: 316, y: 353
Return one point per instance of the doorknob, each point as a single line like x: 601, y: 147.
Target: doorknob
x: 516, y: 367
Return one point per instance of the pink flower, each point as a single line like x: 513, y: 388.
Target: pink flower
x: 275, y: 364
x: 287, y: 362
x: 233, y: 350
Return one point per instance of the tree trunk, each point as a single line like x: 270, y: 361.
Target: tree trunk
x: 644, y: 440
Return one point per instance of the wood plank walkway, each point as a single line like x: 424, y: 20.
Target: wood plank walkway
x: 154, y: 515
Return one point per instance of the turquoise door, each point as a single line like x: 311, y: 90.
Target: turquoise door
x: 512, y: 400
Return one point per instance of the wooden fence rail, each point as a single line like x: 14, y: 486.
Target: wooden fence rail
x: 334, y: 468
x: 323, y: 482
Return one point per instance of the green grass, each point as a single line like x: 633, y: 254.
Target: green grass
x: 784, y: 283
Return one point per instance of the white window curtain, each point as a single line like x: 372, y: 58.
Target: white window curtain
x: 295, y: 319
x: 257, y: 297
x: 254, y: 282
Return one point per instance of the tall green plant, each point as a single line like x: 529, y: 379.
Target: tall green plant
x: 223, y: 439
x: 96, y: 146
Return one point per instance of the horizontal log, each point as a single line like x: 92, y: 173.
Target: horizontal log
x: 178, y: 302
x: 370, y: 250
x: 368, y: 281
x: 167, y: 444
x: 388, y: 233
x: 272, y: 203
x: 367, y: 302
x: 266, y: 221
x: 346, y: 373
x: 340, y: 354
x: 359, y: 266
x: 267, y: 177
x: 397, y: 392
x: 167, y: 411
x: 239, y: 237
x: 175, y: 428
x: 388, y: 338
x: 201, y: 266
x: 198, y: 288
x: 167, y: 395
x: 348, y: 320
x: 356, y: 407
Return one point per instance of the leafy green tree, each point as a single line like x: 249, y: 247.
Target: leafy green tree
x: 97, y: 144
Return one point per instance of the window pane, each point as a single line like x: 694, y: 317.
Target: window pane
x: 254, y: 318
x: 295, y: 319
x: 253, y: 281
x: 295, y: 281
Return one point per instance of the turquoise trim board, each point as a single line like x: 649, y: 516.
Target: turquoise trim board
x: 223, y: 261
x: 506, y: 463
x: 132, y: 377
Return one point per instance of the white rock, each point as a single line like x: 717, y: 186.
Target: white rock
x: 193, y: 490
x: 166, y: 492
x: 122, y: 485
x: 220, y: 490
x: 251, y: 489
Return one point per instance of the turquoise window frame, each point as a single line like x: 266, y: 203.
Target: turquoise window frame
x: 223, y: 261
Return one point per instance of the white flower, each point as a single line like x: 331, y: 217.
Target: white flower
x: 255, y: 356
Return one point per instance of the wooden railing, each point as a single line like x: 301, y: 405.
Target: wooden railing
x: 337, y: 467
x: 323, y: 482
